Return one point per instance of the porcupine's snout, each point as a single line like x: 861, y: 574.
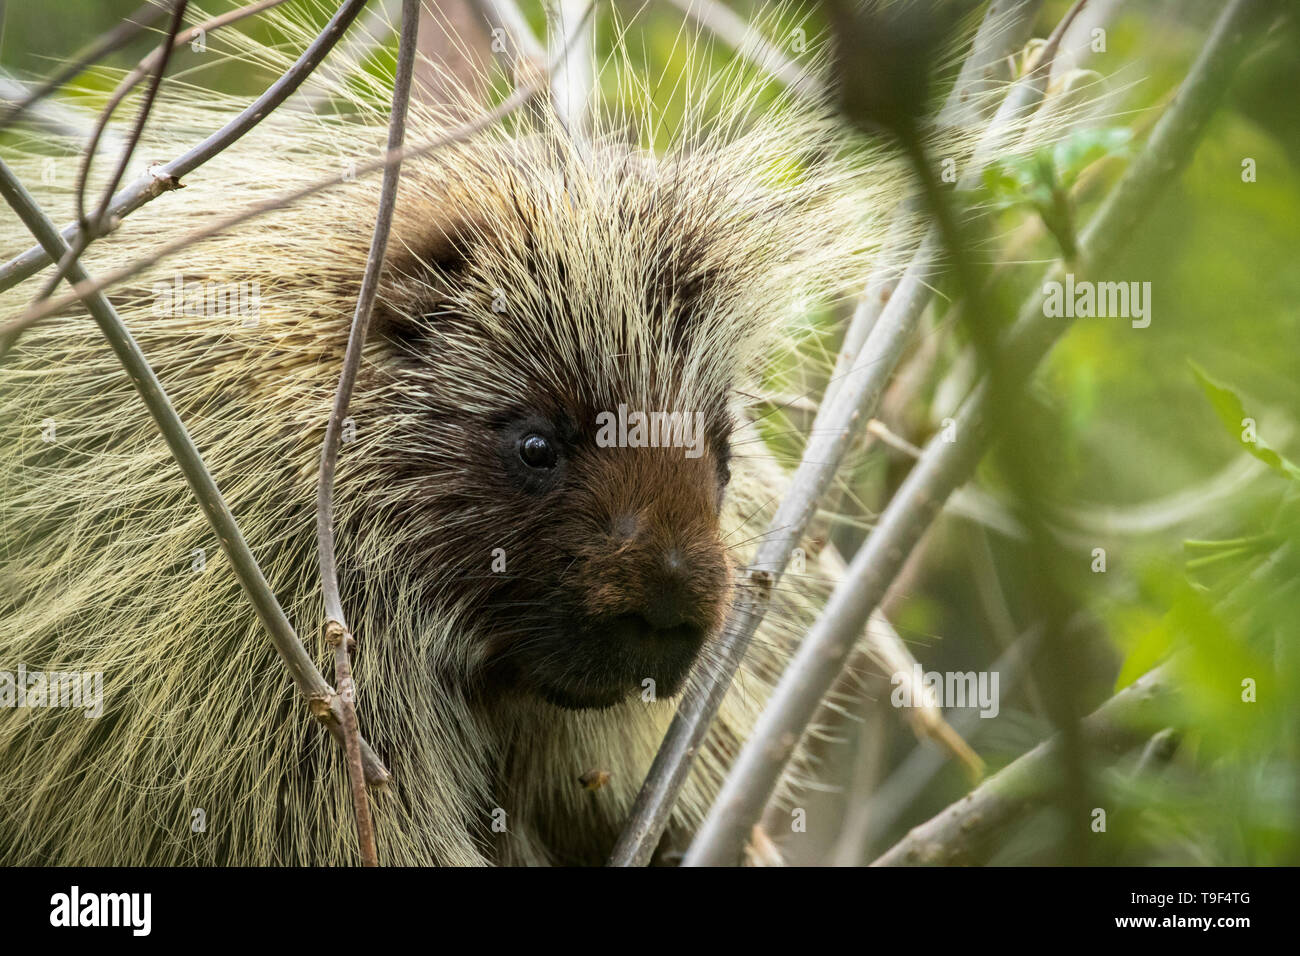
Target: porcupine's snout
x: 649, y: 584
x: 666, y: 577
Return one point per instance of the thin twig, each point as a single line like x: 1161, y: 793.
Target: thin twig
x: 156, y: 63
x: 158, y: 180
x: 897, y: 442
x: 459, y: 134
x: 321, y: 698
x: 852, y: 405
x: 342, y: 644
x: 925, y: 715
x: 945, y: 465
x: 886, y: 647
x: 870, y: 816
x: 960, y: 833
x: 87, y: 228
x: 361, y: 317
x: 336, y: 627
x: 1078, y: 44
x: 157, y: 68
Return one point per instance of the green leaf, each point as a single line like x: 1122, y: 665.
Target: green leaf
x: 1228, y: 406
x: 1084, y: 147
x: 1145, y: 653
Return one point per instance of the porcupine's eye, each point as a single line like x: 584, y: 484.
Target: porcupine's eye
x: 536, y: 452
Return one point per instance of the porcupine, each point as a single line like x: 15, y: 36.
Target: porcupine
x: 515, y: 585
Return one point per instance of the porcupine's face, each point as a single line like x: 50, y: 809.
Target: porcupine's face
x: 570, y: 467
x: 619, y: 574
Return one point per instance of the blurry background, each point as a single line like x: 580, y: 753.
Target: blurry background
x: 1140, y: 457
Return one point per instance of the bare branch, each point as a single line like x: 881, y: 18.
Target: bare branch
x: 361, y: 317
x: 850, y: 407
x: 155, y: 63
x: 882, y: 431
x: 945, y: 465
x: 459, y: 134
x: 86, y: 227
x: 336, y: 628
x: 161, y: 179
x: 323, y: 701
x: 959, y: 834
x: 342, y: 644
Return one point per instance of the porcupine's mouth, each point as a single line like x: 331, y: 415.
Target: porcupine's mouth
x: 616, y: 658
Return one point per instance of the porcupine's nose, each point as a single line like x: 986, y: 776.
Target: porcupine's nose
x: 668, y: 594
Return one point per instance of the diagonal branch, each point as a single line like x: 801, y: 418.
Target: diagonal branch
x: 324, y: 703
x: 154, y: 62
x: 153, y: 183
x: 958, y: 835
x: 465, y: 131
x: 945, y: 465
x: 851, y: 405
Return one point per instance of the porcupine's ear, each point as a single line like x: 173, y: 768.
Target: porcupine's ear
x: 429, y: 252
